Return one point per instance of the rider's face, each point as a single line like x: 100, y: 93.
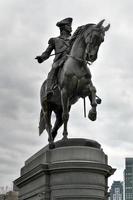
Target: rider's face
x: 68, y: 28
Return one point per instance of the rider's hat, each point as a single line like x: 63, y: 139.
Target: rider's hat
x: 66, y: 21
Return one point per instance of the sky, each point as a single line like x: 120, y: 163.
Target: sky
x: 25, y: 28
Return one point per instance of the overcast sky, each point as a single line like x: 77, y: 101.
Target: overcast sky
x: 25, y: 28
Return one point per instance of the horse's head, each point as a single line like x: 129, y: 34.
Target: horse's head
x: 94, y: 36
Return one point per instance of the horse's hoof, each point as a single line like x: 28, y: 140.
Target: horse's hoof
x: 99, y: 101
x: 51, y: 145
x: 65, y: 138
x: 92, y: 115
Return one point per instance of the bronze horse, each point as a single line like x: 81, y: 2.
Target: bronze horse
x: 74, y: 80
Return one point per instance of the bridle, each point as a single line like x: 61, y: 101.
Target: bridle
x: 81, y: 60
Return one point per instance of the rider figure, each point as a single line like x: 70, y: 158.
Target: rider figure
x: 60, y: 45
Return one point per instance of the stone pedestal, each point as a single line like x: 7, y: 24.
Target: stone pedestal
x: 77, y: 169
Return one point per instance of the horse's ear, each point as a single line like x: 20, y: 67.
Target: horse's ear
x: 100, y: 24
x: 106, y: 28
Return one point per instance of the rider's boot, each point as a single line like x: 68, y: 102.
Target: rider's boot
x: 51, y: 82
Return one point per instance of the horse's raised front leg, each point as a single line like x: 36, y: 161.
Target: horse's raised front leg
x: 65, y: 114
x: 93, y: 112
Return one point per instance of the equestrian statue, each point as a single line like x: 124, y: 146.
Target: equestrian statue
x: 70, y: 77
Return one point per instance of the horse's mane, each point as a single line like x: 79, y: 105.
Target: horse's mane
x: 79, y: 31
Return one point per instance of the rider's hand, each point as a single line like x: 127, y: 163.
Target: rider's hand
x: 39, y: 59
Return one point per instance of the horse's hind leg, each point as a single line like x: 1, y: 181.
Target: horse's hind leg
x: 47, y: 114
x: 65, y: 114
x: 57, y: 124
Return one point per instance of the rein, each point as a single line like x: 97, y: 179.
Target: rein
x: 75, y: 58
x: 80, y: 60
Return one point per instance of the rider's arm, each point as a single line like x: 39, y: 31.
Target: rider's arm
x: 46, y: 54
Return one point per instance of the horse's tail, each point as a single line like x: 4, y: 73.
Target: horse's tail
x: 41, y: 122
x: 43, y: 91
